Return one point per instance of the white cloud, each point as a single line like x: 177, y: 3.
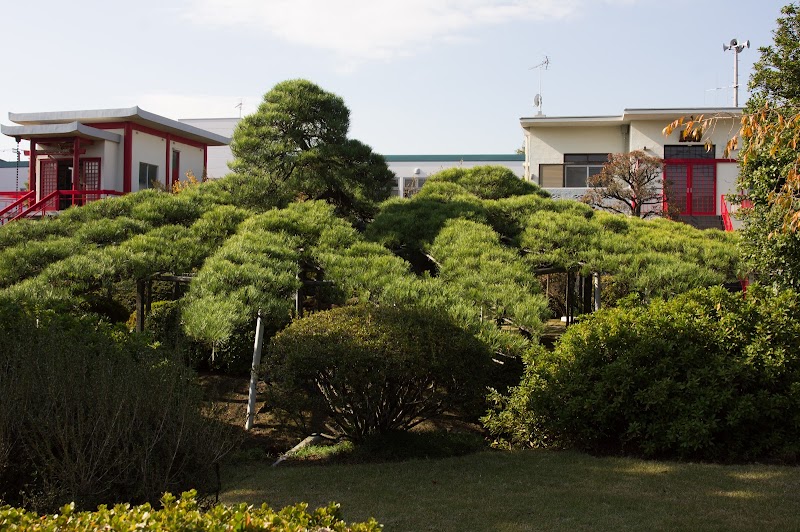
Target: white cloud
x: 359, y: 30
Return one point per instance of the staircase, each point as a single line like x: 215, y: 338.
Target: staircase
x: 703, y: 222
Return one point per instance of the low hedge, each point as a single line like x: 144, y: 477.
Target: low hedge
x: 183, y: 514
x: 709, y: 375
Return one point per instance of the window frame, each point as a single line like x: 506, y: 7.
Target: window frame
x: 148, y: 175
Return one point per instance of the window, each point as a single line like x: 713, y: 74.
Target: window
x: 148, y: 176
x: 411, y: 185
x: 551, y: 175
x: 697, y: 151
x: 578, y: 167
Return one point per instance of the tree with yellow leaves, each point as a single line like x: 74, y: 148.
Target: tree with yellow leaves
x: 769, y: 158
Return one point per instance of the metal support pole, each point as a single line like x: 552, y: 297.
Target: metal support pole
x: 251, y: 398
x: 298, y: 298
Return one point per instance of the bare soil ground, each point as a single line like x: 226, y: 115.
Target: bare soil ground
x: 269, y: 437
x: 228, y: 396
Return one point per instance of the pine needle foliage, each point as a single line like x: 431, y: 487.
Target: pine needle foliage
x: 488, y: 182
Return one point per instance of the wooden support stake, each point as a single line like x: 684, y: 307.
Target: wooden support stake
x: 139, y: 305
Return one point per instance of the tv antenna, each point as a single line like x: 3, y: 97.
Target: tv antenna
x: 737, y: 47
x: 537, y: 100
x: 239, y: 106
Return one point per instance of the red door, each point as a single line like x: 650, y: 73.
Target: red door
x: 691, y: 187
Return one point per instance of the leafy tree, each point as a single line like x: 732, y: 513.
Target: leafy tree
x: 296, y: 147
x: 630, y: 183
x: 769, y: 158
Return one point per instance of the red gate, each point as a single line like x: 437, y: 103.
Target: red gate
x: 691, y: 186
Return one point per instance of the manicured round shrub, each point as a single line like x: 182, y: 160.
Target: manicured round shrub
x: 377, y: 369
x: 709, y: 375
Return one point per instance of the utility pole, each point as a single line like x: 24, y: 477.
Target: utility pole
x: 737, y: 47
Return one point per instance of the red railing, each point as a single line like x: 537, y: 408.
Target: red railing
x: 726, y: 215
x: 55, y: 201
x: 16, y: 206
x: 730, y: 209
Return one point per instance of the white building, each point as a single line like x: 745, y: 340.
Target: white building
x: 413, y: 170
x: 79, y: 156
x: 562, y: 152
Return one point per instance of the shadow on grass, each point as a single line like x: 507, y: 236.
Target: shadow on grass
x: 535, y: 490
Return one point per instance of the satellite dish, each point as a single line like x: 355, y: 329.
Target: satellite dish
x: 537, y: 100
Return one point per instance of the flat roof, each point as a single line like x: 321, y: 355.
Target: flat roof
x: 128, y: 114
x: 13, y: 164
x: 627, y: 116
x: 454, y: 158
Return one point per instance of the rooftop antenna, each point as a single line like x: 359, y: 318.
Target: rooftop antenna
x: 239, y: 105
x: 737, y: 47
x: 537, y: 100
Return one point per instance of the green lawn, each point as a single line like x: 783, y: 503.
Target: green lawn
x: 533, y: 490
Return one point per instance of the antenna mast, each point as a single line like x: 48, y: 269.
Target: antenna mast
x: 737, y: 47
x: 537, y: 100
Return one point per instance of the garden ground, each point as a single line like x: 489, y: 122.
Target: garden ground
x: 510, y: 491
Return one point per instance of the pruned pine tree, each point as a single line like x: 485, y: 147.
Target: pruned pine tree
x: 296, y: 147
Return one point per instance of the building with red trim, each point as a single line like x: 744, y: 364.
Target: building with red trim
x: 562, y: 152
x: 78, y: 156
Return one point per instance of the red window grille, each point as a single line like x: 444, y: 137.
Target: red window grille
x: 48, y: 179
x: 90, y: 177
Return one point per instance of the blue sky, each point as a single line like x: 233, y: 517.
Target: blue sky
x: 419, y: 76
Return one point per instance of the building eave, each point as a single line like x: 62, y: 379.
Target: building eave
x: 628, y: 116
x: 58, y: 130
x: 127, y: 114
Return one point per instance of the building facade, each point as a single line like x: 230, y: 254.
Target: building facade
x: 78, y: 156
x: 561, y: 153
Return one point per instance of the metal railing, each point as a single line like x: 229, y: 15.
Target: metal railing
x: 53, y: 202
x: 729, y: 210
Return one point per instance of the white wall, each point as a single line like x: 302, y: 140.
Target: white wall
x: 191, y: 160
x: 150, y: 149
x: 218, y: 156
x: 648, y: 133
x: 547, y: 145
x: 111, y: 166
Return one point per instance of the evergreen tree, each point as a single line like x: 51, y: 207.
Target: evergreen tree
x: 296, y: 147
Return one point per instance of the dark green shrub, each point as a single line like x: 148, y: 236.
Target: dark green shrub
x: 708, y: 375
x: 378, y: 369
x: 94, y: 415
x: 184, y: 514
